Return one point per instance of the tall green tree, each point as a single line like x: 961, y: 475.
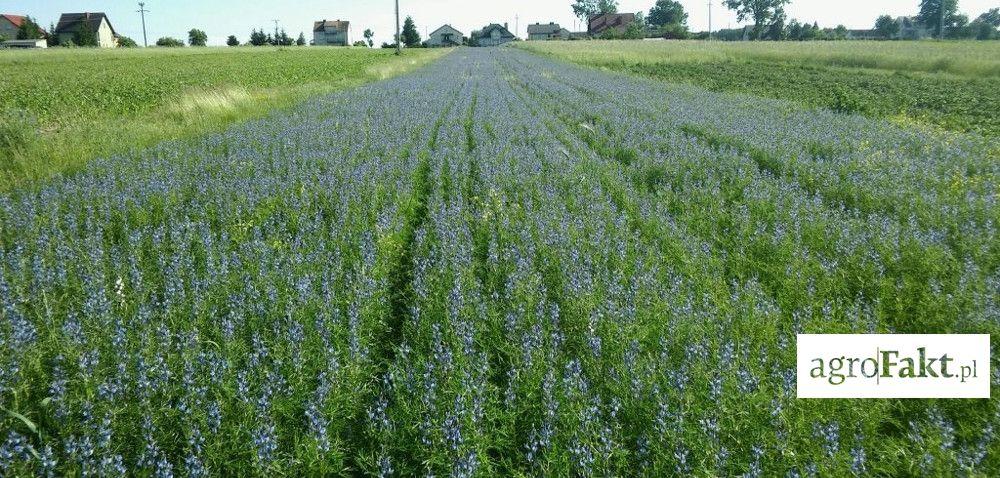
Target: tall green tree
x: 762, y: 12
x: 584, y: 9
x: 29, y: 30
x: 197, y: 37
x: 258, y: 38
x: 301, y: 40
x: 667, y: 12
x: 931, y: 15
x: 232, y: 41
x: 886, y: 27
x: 992, y: 17
x: 53, y: 40
x: 411, y: 37
x: 85, y: 35
x: 369, y: 35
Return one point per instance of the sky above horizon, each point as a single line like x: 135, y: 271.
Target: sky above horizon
x: 221, y: 18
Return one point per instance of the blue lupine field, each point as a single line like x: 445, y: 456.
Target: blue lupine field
x: 497, y: 265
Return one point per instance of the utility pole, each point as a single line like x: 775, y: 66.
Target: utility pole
x: 399, y: 41
x: 709, y: 19
x: 143, y: 12
x: 276, y: 42
x: 941, y: 21
x: 517, y: 25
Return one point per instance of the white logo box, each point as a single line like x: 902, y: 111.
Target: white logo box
x: 893, y: 366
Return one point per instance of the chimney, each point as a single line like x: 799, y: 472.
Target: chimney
x: 505, y: 26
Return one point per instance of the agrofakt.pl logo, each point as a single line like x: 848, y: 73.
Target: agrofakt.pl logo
x: 893, y: 366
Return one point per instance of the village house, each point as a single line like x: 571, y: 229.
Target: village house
x: 493, y: 35
x: 9, y: 24
x: 609, y: 23
x: 445, y: 36
x: 551, y: 31
x: 331, y: 33
x: 71, y: 23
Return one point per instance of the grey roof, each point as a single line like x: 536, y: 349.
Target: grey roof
x: 543, y: 29
x: 486, y: 32
x: 71, y: 22
x: 333, y: 26
x: 446, y: 26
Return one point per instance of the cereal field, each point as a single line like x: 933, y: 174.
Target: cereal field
x: 498, y: 265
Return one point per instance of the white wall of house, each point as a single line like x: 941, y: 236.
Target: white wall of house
x: 105, y: 36
x: 330, y: 38
x: 440, y: 37
x: 7, y: 29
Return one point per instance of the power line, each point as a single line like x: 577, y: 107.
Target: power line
x: 142, y: 12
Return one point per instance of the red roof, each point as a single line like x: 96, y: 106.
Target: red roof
x: 16, y: 20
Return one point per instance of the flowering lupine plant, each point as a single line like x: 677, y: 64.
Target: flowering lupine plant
x: 501, y: 265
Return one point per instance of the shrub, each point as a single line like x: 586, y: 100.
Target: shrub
x: 126, y: 42
x: 169, y: 42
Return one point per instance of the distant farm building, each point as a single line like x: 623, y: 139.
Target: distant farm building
x: 550, y: 31
x: 331, y: 33
x: 71, y: 23
x: 37, y: 43
x: 610, y: 23
x: 493, y: 35
x: 447, y: 35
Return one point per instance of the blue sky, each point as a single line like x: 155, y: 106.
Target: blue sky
x: 220, y: 18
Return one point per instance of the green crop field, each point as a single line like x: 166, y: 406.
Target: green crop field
x: 949, y: 85
x: 59, y: 109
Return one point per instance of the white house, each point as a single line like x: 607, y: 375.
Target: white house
x: 71, y: 23
x: 493, y: 35
x: 331, y: 33
x: 552, y: 31
x: 445, y: 36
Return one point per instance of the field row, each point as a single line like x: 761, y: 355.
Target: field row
x: 531, y: 269
x: 951, y: 86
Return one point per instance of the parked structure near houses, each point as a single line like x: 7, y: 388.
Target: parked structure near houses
x: 493, y: 35
x: 609, y: 23
x: 70, y: 23
x: 551, y: 31
x: 332, y: 33
x: 445, y: 36
x: 36, y: 43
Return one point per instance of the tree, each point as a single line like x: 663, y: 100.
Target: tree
x: 369, y: 34
x: 169, y: 42
x: 931, y: 16
x: 361, y: 44
x: 794, y: 30
x: 762, y: 12
x: 197, y: 37
x: 53, y: 40
x: 584, y: 9
x: 258, y: 38
x: 411, y: 37
x: 283, y: 39
x: 776, y: 31
x: 886, y: 27
x: 29, y: 30
x: 991, y: 17
x: 667, y: 12
x: 126, y: 42
x: 301, y: 40
x: 840, y: 33
x: 85, y: 35
x: 232, y: 41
